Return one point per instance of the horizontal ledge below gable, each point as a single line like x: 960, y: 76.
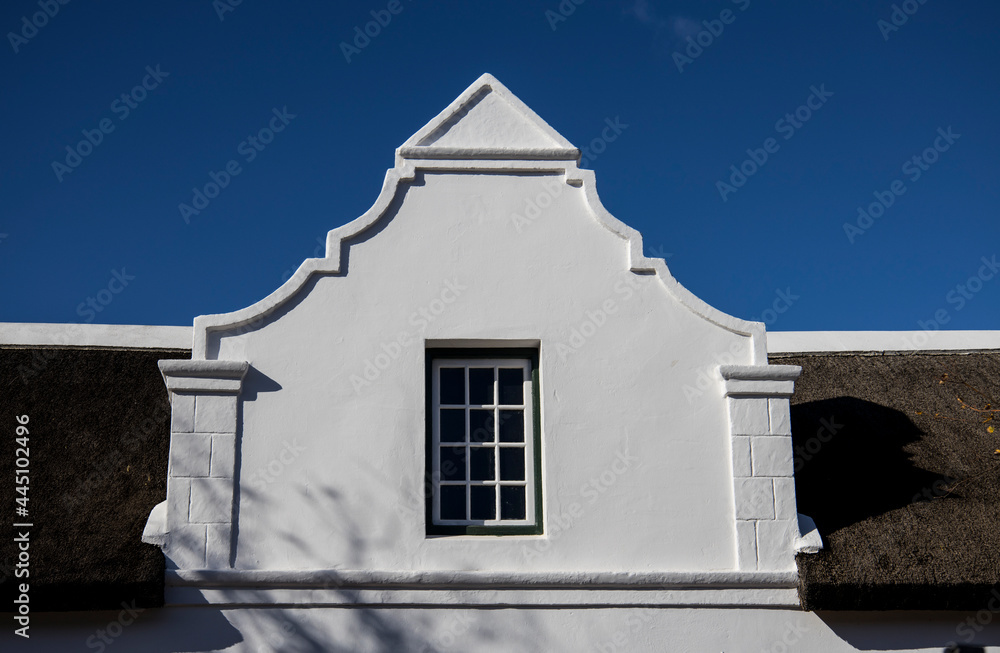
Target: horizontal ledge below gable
x: 367, y: 579
x: 783, y: 598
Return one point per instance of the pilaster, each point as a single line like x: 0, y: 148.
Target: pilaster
x: 763, y: 486
x: 204, y: 398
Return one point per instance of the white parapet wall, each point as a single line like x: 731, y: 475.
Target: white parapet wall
x: 112, y: 336
x: 804, y: 342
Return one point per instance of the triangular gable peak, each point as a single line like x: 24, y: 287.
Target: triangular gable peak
x: 487, y: 128
x: 487, y: 122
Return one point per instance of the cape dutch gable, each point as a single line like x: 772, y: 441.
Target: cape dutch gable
x: 485, y: 421
x: 335, y: 359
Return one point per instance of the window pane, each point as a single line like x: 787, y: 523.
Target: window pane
x: 452, y: 385
x: 481, y: 464
x: 512, y: 464
x: 481, y: 426
x: 452, y: 502
x: 481, y: 386
x: 484, y: 502
x: 452, y: 463
x: 481, y: 452
x: 511, y: 426
x: 512, y: 503
x: 452, y: 425
x: 511, y: 386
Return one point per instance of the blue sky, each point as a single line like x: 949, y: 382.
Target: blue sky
x: 847, y: 102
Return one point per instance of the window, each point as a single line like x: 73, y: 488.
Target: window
x: 483, y: 442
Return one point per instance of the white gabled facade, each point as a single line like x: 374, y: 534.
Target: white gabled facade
x: 296, y: 515
x: 486, y: 234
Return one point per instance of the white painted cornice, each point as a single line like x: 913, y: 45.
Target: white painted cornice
x: 769, y: 380
x: 203, y: 376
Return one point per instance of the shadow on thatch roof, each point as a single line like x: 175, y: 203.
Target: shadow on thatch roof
x: 901, y: 479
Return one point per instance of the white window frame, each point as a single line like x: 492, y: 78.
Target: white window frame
x: 527, y: 365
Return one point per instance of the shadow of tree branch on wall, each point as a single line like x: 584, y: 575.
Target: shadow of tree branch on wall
x: 352, y: 619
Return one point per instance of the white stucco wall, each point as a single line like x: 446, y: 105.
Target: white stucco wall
x: 349, y: 435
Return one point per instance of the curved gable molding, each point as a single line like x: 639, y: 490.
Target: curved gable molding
x: 470, y: 135
x: 251, y: 317
x: 640, y: 264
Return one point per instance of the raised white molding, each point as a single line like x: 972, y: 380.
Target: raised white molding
x: 202, y: 464
x: 201, y: 376
x: 767, y: 524
x: 478, y: 579
x: 474, y: 588
x: 760, y: 380
x: 112, y: 336
x: 526, y: 155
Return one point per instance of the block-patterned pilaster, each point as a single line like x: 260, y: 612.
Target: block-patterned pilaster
x: 761, y: 446
x: 204, y: 398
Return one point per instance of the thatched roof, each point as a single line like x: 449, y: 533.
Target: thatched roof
x: 99, y: 434
x: 906, y: 490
